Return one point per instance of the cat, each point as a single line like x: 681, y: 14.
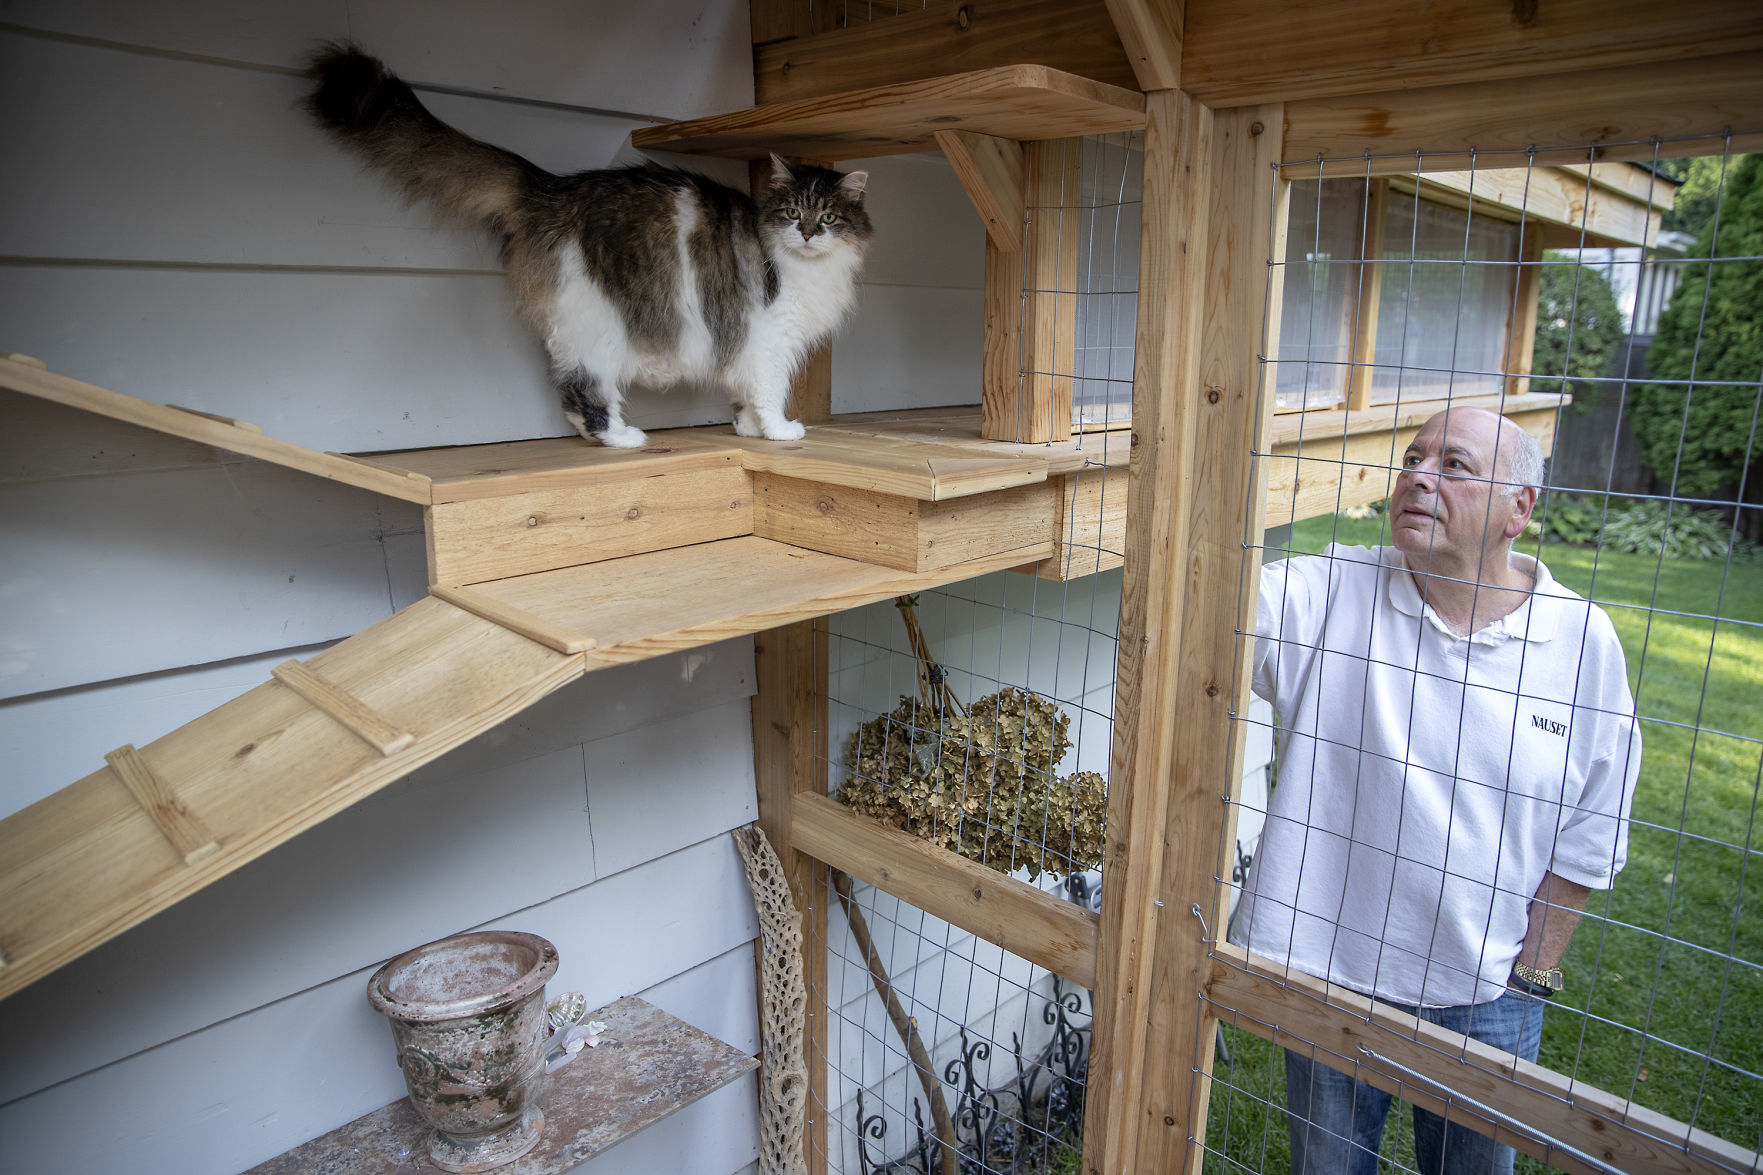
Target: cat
x: 632, y: 274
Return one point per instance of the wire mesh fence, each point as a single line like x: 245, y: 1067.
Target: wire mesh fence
x: 1480, y: 775
x: 980, y: 717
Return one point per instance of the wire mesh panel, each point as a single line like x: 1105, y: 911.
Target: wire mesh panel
x: 1518, y: 715
x: 980, y: 718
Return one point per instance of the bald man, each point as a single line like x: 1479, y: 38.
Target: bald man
x: 1457, y: 759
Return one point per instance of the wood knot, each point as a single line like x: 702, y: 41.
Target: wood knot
x: 634, y: 513
x: 1212, y: 689
x: 963, y: 18
x: 1212, y: 396
x: 825, y: 505
x: 1255, y: 128
x: 1168, y: 1120
x: 532, y: 520
x: 1524, y: 12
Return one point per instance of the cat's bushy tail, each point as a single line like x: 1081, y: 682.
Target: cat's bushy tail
x: 368, y: 108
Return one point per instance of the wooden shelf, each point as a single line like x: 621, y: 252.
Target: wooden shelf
x: 646, y: 1065
x: 86, y: 863
x: 1020, y: 102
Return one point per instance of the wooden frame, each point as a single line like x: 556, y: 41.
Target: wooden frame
x: 1363, y: 87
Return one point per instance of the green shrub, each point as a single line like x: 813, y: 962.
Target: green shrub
x: 1579, y: 330
x: 1651, y: 528
x: 1712, y: 331
x: 1572, y: 520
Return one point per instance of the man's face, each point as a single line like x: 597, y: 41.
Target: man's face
x: 1448, y: 512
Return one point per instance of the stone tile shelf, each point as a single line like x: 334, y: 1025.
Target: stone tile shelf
x: 646, y: 1065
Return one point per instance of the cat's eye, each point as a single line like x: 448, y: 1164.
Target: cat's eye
x: 829, y: 218
x: 792, y: 213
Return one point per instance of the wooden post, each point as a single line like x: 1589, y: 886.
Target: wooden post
x: 1370, y: 294
x: 1210, y: 686
x: 1031, y: 306
x: 1178, y: 141
x: 1197, y: 417
x: 1521, y: 338
x: 789, y: 756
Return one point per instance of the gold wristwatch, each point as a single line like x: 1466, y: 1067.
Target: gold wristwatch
x: 1538, y: 982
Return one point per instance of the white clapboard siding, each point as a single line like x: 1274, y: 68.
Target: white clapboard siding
x: 206, y: 164
x: 909, y: 347
x: 927, y: 232
x: 342, y: 362
x: 49, y: 741
x: 227, y: 1097
x: 116, y: 576
x: 420, y: 860
x: 198, y: 163
x: 666, y: 58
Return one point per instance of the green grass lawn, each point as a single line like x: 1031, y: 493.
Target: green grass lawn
x: 1665, y: 992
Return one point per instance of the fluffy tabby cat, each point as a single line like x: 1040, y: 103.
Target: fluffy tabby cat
x: 639, y: 274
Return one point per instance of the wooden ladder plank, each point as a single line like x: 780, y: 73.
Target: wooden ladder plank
x: 534, y: 628
x: 182, y: 827
x: 345, y: 707
x: 86, y: 863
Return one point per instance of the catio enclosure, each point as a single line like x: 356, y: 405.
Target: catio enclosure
x: 1234, y: 255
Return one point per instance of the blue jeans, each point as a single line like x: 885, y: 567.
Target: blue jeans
x: 1337, y: 1122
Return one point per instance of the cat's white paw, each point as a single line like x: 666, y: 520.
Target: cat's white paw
x: 623, y: 436
x: 747, y: 424
x: 783, y: 430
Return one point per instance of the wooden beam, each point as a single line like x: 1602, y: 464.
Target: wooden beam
x: 1230, y: 423
x: 1521, y: 336
x: 348, y: 710
x: 1046, y: 930
x: 993, y: 172
x: 1544, y: 195
x: 1049, y: 309
x: 1151, y: 32
x: 182, y: 827
x: 1369, y: 296
x: 1242, y: 51
x: 789, y: 761
x: 1172, y: 295
x: 1496, y: 124
x: 1332, y: 1023
x: 945, y: 36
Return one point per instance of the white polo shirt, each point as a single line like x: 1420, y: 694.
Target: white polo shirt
x: 1426, y: 780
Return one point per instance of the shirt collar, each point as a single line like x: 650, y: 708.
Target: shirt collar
x: 1534, y: 620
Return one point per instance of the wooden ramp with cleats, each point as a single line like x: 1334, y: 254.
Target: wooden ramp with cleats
x: 162, y: 822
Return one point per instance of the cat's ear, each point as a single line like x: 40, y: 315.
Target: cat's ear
x: 780, y: 171
x: 854, y: 183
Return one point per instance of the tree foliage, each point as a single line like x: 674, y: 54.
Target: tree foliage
x: 1579, y: 329
x: 1697, y: 436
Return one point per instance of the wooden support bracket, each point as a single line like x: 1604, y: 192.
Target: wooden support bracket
x: 994, y: 173
x: 345, y: 707
x: 182, y: 827
x: 1151, y: 33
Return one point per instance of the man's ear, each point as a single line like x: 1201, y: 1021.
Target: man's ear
x: 1524, y: 503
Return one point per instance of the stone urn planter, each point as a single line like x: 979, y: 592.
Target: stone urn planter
x: 468, y: 1018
